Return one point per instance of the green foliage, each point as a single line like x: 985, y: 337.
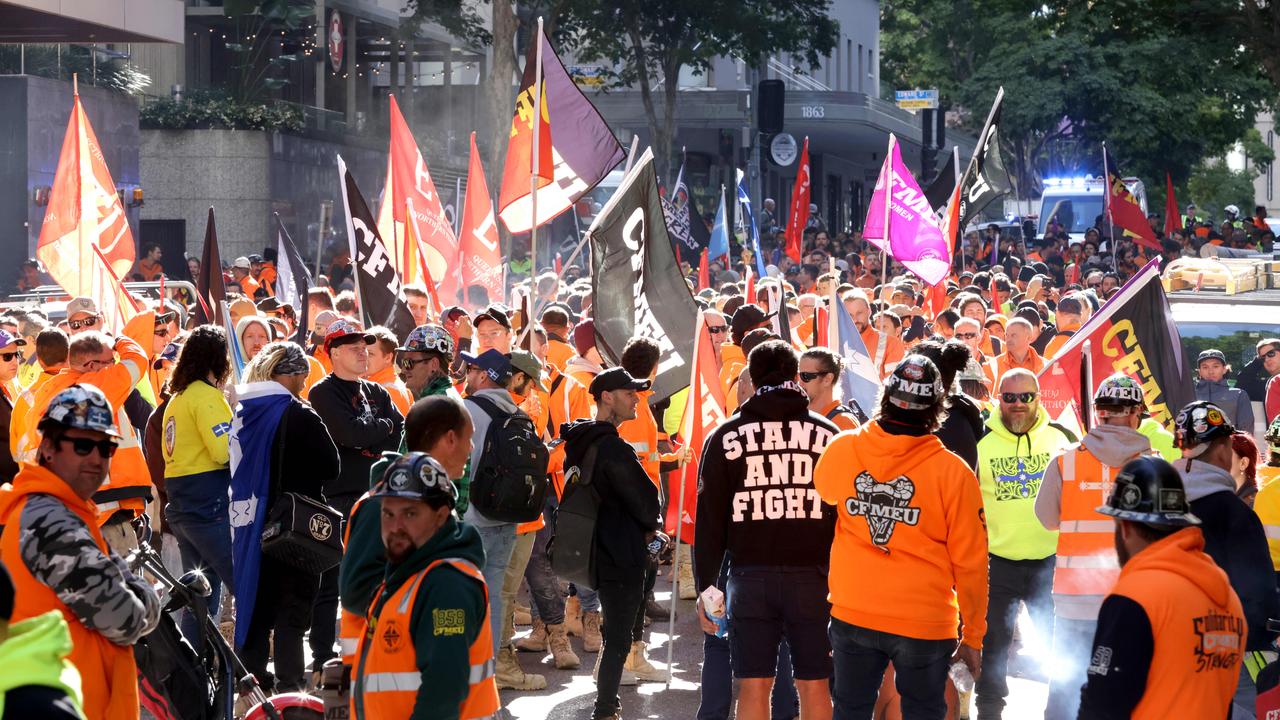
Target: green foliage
x: 1260, y: 156
x: 217, y: 111
x: 1213, y: 186
x: 462, y: 19
x: 1144, y: 77
x: 260, y: 28
x: 53, y: 62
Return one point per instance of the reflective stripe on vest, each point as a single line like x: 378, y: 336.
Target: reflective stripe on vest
x: 1273, y: 531
x: 350, y: 625
x: 387, y: 676
x: 1087, y: 564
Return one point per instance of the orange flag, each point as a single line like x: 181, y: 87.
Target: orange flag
x: 408, y: 184
x: 481, y: 258
x: 703, y: 413
x: 85, y: 240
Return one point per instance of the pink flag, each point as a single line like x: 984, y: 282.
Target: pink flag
x: 915, y: 234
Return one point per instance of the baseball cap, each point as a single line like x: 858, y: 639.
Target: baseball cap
x: 615, y: 379
x: 1070, y: 305
x: 1210, y: 354
x: 7, y: 338
x: 271, y: 304
x: 527, y: 363
x: 494, y: 313
x: 915, y: 384
x: 496, y: 365
x: 343, y: 332
x: 241, y: 262
x: 85, y: 305
x: 745, y: 319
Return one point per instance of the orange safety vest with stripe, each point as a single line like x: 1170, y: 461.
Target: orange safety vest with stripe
x: 350, y: 625
x: 1087, y: 566
x: 388, y: 679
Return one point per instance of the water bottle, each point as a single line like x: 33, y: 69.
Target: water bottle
x: 963, y: 680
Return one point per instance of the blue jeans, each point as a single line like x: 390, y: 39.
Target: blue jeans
x: 717, y: 682
x: 860, y: 657
x: 498, y: 542
x: 197, y: 513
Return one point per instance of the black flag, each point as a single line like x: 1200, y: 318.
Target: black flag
x: 378, y: 289
x: 986, y: 179
x: 292, y: 280
x: 210, y: 288
x: 638, y: 288
x: 939, y: 191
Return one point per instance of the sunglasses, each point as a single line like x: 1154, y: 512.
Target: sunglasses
x: 162, y: 332
x: 717, y: 329
x: 966, y: 336
x: 84, y: 446
x: 811, y: 376
x: 86, y: 323
x: 6, y: 357
x: 1023, y: 397
x: 408, y: 364
x: 1269, y: 354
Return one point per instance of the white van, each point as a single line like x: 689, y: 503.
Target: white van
x: 1078, y: 201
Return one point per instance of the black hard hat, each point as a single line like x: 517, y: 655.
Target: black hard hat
x: 1149, y: 490
x: 1198, y: 424
x: 416, y: 476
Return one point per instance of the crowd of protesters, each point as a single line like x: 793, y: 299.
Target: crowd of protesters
x: 956, y: 491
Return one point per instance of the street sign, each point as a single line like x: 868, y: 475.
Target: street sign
x: 783, y: 149
x: 917, y: 99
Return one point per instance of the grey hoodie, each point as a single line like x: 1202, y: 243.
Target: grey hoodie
x: 1204, y: 479
x: 480, y: 421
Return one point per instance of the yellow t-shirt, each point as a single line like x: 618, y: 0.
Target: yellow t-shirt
x: 196, y: 433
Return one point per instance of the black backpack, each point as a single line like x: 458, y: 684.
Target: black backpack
x: 510, y: 484
x: 573, y: 532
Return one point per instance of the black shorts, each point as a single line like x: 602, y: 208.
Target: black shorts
x: 766, y: 604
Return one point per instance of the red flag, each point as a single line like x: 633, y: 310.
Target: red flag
x: 85, y: 241
x: 937, y: 298
x: 799, y: 215
x: 703, y: 412
x: 751, y: 285
x: 1126, y: 213
x: 478, y: 243
x: 704, y: 271
x: 1172, y: 217
x: 428, y: 279
x: 559, y: 264
x: 408, y: 178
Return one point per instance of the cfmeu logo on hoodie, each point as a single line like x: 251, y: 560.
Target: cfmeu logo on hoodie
x: 884, y: 505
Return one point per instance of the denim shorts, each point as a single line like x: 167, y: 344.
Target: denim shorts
x: 766, y: 604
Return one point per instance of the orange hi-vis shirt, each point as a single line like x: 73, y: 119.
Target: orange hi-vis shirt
x: 641, y: 433
x: 893, y: 350
x: 128, y: 485
x: 400, y: 395
x: 843, y: 420
x: 910, y: 550
x: 732, y: 362
x: 997, y: 366
x: 267, y: 278
x: 559, y: 353
x: 567, y: 401
x: 23, y: 420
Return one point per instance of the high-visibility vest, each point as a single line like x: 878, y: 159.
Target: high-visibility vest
x: 350, y: 625
x: 1087, y: 565
x: 387, y: 678
x: 1267, y: 506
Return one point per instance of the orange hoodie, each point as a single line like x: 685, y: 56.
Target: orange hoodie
x: 910, y: 551
x: 400, y: 395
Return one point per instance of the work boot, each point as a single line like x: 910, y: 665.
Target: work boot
x: 591, y: 640
x: 535, y: 641
x: 685, y: 581
x: 573, y: 616
x: 628, y: 677
x: 523, y: 616
x: 654, y: 609
x: 561, y: 651
x: 639, y: 664
x: 511, y: 677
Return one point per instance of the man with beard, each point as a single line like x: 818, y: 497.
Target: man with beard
x: 432, y: 602
x: 1011, y: 462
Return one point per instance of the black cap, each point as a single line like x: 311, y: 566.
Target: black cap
x: 1212, y: 354
x: 494, y: 313
x: 615, y: 379
x: 746, y: 319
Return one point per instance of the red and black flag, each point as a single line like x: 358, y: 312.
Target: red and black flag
x: 379, y: 293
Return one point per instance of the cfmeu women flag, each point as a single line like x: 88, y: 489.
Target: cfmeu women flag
x: 85, y: 240
x: 1134, y: 334
x: 582, y: 148
x: 908, y: 229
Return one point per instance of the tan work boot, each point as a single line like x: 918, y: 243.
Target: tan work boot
x: 561, y: 651
x: 685, y: 582
x: 591, y: 640
x: 639, y: 664
x: 523, y: 616
x: 628, y: 677
x: 535, y: 641
x: 573, y: 616
x: 511, y: 677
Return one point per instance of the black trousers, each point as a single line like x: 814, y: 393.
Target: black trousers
x: 1011, y: 583
x: 284, y: 601
x: 622, y: 619
x: 324, y: 611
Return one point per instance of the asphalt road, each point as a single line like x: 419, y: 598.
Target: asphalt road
x: 570, y: 694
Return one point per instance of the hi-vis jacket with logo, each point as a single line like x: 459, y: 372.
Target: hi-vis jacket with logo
x: 910, y: 552
x: 1010, y: 469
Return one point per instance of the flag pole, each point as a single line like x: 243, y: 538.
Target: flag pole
x: 882, y: 343
x: 351, y: 240
x: 537, y: 136
x: 1086, y: 385
x: 1106, y: 178
x: 631, y: 153
x: 959, y: 239
x: 692, y: 403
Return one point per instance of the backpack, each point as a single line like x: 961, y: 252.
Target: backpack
x: 572, y: 549
x: 510, y: 484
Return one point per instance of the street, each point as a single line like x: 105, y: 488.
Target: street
x: 570, y: 694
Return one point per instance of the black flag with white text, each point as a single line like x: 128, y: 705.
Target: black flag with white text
x: 378, y: 289
x: 292, y: 280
